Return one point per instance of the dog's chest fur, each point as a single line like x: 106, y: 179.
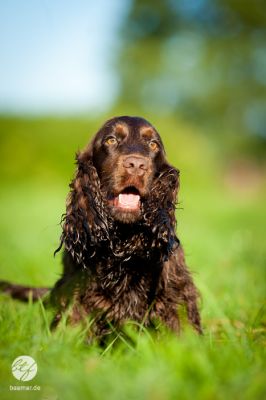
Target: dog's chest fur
x: 123, y: 290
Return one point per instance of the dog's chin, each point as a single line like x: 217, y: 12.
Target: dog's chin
x: 126, y: 216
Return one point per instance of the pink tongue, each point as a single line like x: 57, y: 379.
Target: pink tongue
x: 128, y: 200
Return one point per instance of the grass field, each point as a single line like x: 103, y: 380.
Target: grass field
x: 221, y: 222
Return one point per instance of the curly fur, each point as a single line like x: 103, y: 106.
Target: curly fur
x: 118, y: 271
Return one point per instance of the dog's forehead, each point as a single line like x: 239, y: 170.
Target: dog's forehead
x: 133, y: 128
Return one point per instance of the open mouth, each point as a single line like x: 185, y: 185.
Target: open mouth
x: 128, y: 199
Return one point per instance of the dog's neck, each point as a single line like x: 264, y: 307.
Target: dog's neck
x: 139, y: 240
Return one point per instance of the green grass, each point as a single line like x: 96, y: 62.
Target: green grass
x: 222, y: 227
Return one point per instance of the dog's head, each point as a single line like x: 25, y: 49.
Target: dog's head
x: 122, y: 176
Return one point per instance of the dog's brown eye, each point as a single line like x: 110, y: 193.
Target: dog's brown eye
x: 111, y: 141
x: 153, y: 145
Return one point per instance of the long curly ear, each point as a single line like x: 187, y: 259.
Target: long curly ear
x: 168, y: 182
x: 160, y: 208
x: 84, y: 224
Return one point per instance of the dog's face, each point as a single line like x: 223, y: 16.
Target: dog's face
x: 128, y: 154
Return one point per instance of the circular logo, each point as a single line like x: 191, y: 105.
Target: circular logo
x: 24, y: 368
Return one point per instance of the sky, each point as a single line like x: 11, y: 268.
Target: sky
x: 56, y: 56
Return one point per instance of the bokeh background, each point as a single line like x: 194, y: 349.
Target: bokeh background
x: 196, y: 69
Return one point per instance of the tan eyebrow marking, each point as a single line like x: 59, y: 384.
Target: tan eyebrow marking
x: 147, y: 131
x: 121, y: 128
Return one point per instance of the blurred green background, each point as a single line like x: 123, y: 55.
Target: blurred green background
x: 197, y: 71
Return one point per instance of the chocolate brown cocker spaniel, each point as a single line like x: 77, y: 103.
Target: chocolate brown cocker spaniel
x: 122, y: 258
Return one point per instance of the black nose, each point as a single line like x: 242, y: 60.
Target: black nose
x: 135, y: 165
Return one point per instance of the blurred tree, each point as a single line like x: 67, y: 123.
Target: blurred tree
x: 204, y: 59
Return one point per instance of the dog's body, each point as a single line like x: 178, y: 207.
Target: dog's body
x: 122, y: 259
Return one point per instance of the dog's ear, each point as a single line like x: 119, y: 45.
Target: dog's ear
x: 159, y: 210
x: 170, y: 180
x: 85, y: 222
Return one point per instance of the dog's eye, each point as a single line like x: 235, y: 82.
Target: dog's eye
x: 111, y: 140
x: 153, y: 145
